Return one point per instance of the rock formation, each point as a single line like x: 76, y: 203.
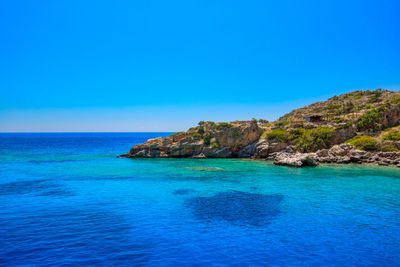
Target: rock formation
x: 210, y: 140
x: 294, y: 159
x: 358, y: 127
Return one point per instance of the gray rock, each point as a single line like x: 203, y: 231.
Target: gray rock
x: 340, y: 150
x: 223, y: 152
x: 294, y: 160
x: 199, y: 156
x: 248, y: 151
x: 261, y: 149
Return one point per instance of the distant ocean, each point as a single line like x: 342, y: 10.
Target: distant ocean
x: 65, y: 199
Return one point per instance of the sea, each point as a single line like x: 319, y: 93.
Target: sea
x: 67, y: 200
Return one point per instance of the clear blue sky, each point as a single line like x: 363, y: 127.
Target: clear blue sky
x: 165, y: 65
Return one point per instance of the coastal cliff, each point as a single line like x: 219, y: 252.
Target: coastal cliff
x: 357, y: 127
x: 208, y: 140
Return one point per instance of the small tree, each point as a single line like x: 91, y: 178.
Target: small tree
x: 370, y: 120
x: 207, y: 138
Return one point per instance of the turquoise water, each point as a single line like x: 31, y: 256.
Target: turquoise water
x: 66, y: 199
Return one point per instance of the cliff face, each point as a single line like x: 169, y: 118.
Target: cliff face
x: 305, y: 135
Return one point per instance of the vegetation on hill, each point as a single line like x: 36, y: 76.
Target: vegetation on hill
x: 364, y: 142
x: 350, y: 106
x: 358, y: 117
x: 307, y: 139
x: 368, y: 120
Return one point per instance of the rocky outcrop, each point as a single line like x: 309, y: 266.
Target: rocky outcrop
x: 344, y: 153
x: 208, y: 140
x: 342, y: 135
x: 294, y: 159
x: 243, y: 140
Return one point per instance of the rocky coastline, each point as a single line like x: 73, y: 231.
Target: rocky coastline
x: 361, y: 127
x: 251, y: 145
x: 338, y: 154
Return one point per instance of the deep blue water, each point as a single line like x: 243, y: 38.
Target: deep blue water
x: 65, y: 199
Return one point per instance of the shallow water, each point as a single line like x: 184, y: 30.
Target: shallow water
x: 66, y: 199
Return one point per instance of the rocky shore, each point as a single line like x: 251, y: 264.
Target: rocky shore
x: 358, y: 127
x: 341, y: 154
x: 243, y: 140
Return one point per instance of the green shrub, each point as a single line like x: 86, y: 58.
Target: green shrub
x: 297, y: 133
x: 369, y: 106
x: 280, y: 134
x: 359, y: 108
x: 392, y: 136
x: 254, y: 120
x: 388, y: 147
x: 358, y: 95
x: 214, y: 145
x: 374, y: 95
x: 262, y: 121
x: 196, y: 136
x: 334, y: 106
x: 308, y: 139
x: 193, y: 129
x: 281, y: 123
x: 224, y: 125
x: 370, y: 120
x: 200, y: 130
x: 207, y: 138
x: 395, y: 101
x: 347, y: 107
x: 344, y: 108
x: 201, y: 123
x: 364, y: 142
x: 197, y: 129
x: 313, y: 139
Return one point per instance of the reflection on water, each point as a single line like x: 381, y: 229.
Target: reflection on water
x: 237, y: 207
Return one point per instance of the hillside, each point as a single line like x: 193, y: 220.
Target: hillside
x: 346, y: 107
x: 338, y: 119
x: 365, y: 120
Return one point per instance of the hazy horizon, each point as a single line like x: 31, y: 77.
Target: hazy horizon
x: 163, y: 66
